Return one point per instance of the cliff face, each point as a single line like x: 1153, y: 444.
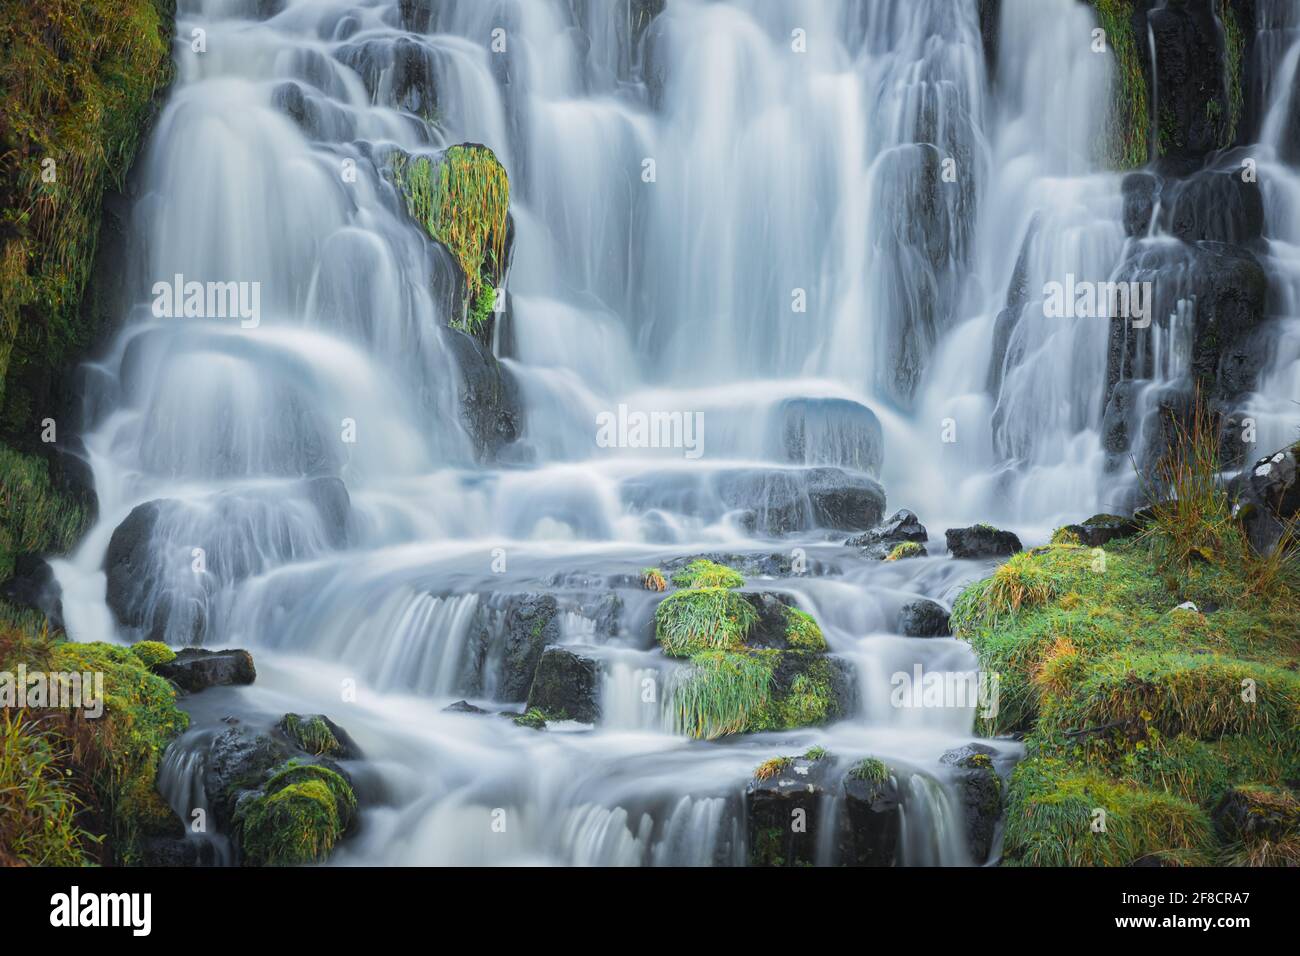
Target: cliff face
x: 80, y: 80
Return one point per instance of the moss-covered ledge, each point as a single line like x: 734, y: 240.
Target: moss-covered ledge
x: 1156, y: 683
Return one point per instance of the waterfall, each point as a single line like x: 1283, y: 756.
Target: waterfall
x: 817, y: 227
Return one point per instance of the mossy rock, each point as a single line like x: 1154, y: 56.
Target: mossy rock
x: 298, y: 817
x: 152, y: 653
x: 702, y: 573
x: 701, y: 619
x: 317, y: 735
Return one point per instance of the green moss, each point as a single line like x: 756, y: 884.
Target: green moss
x: 1234, y: 36
x: 312, y: 734
x: 462, y: 199
x: 700, y: 619
x: 34, y: 516
x: 870, y: 769
x: 802, y: 631
x: 533, y: 719
x: 152, y: 653
x: 814, y: 753
x: 906, y: 549
x: 78, y: 78
x: 1128, y: 140
x: 702, y: 573
x: 297, y: 817
x: 1066, y: 536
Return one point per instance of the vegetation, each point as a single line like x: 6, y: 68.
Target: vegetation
x: 870, y: 769
x: 771, y: 768
x: 814, y: 753
x: 701, y: 619
x: 1128, y: 141
x: 462, y: 199
x: 298, y: 817
x: 34, y: 515
x: 906, y: 549
x: 802, y: 631
x: 702, y: 573
x: 153, y: 653
x: 313, y: 735
x: 38, y: 810
x: 1234, y: 36
x: 1141, y: 716
x: 78, y: 78
x: 652, y: 579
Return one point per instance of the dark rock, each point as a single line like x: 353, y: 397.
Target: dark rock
x: 177, y: 851
x: 871, y: 824
x: 923, y: 618
x: 1140, y: 192
x: 1267, y: 497
x: 128, y: 564
x: 463, y: 707
x: 490, y: 407
x: 769, y: 631
x: 1191, y: 97
x: 32, y: 585
x: 319, y: 736
x: 195, y: 669
x: 981, y: 541
x: 830, y: 431
x: 981, y: 794
x: 289, y: 98
x: 844, y: 502
x: 237, y: 761
x: 772, y: 499
x: 566, y: 686
x: 784, y: 813
x: 771, y: 564
x: 902, y: 526
x: 1100, y: 530
x: 530, y: 625
x: 398, y: 73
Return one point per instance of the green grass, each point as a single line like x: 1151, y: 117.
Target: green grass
x: 771, y: 768
x: 652, y: 579
x: 724, y: 694
x: 870, y: 769
x: 462, y: 199
x: 802, y: 631
x: 702, y: 573
x: 906, y: 549
x: 700, y: 619
x: 1129, y: 124
x: 312, y: 735
x: 38, y: 810
x: 34, y: 515
x: 77, y: 78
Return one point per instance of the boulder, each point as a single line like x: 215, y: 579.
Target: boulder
x: 1191, y: 96
x: 902, y: 526
x: 396, y: 72
x: 783, y: 805
x: 981, y: 541
x: 829, y: 431
x: 195, y: 669
x: 530, y: 624
x: 566, y: 686
x: 923, y: 618
x: 980, y: 789
x: 1267, y: 497
x: 463, y: 707
x: 1252, y: 813
x: 237, y: 760
x: 844, y: 502
x: 490, y: 407
x: 317, y: 735
x: 1101, y: 529
x: 871, y: 824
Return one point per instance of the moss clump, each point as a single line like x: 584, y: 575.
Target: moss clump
x: 735, y: 692
x: 1234, y: 37
x: 463, y: 199
x: 77, y: 79
x: 34, y: 516
x: 802, y: 632
x: 1067, y: 537
x: 312, y: 734
x: 771, y: 768
x: 702, y: 573
x: 1130, y: 706
x: 533, y: 719
x: 906, y: 549
x: 298, y: 817
x: 814, y: 753
x: 1129, y: 123
x: 870, y: 769
x: 153, y: 653
x: 700, y: 619
x: 652, y: 579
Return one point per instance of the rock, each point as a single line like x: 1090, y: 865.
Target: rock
x: 32, y: 585
x: 902, y: 526
x: 1252, y: 813
x: 771, y: 500
x: 177, y: 851
x: 238, y: 760
x: 871, y: 824
x: 844, y: 502
x: 783, y: 804
x: 1267, y: 497
x: 1100, y: 530
x: 1191, y: 98
x: 195, y: 669
x: 396, y: 72
x: 981, y: 794
x: 768, y: 565
x: 463, y: 707
x: 829, y: 431
x: 1140, y: 190
x: 317, y: 735
x: 129, y: 566
x: 566, y: 686
x: 490, y: 408
x: 530, y: 625
x: 923, y: 618
x: 981, y: 541
x: 329, y: 496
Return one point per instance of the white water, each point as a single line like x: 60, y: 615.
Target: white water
x: 775, y: 171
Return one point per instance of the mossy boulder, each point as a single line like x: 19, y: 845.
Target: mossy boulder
x: 317, y: 735
x: 194, y: 669
x: 783, y: 810
x: 872, y: 823
x: 297, y: 817
x: 980, y: 789
x: 566, y: 685
x: 981, y: 541
x: 703, y: 573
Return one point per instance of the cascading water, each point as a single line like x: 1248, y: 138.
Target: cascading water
x: 708, y: 219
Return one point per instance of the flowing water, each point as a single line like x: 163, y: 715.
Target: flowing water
x: 732, y: 212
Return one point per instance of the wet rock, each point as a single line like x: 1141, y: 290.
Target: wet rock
x: 1191, y: 94
x: 490, y: 407
x: 32, y: 585
x: 463, y: 707
x: 829, y: 431
x: 871, y: 823
x: 1267, y: 496
x: 566, y: 686
x: 902, y: 526
x: 397, y: 73
x: 981, y: 795
x: 784, y: 810
x: 1100, y: 530
x: 771, y: 500
x: 290, y: 100
x: 844, y: 502
x: 1140, y: 190
x: 128, y: 564
x: 770, y: 565
x: 981, y: 541
x: 923, y: 618
x: 238, y: 760
x: 1250, y: 814
x: 317, y: 735
x: 530, y: 625
x: 195, y: 669
x: 332, y: 502
x: 177, y: 851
